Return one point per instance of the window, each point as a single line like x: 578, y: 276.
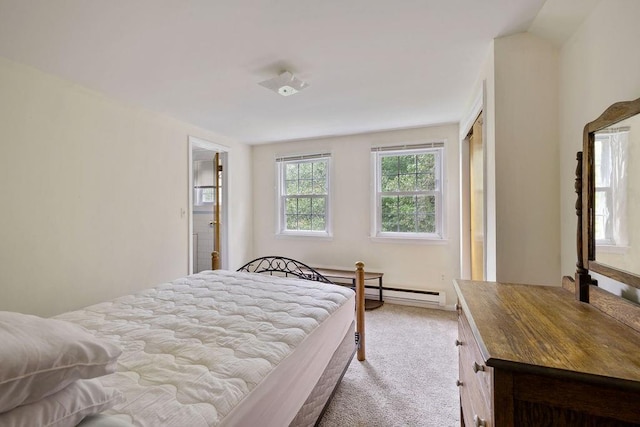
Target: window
x: 610, y: 164
x: 303, y: 194
x: 408, y: 191
x: 203, y: 183
x: 204, y: 195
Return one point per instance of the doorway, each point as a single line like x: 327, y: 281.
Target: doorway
x: 207, y: 204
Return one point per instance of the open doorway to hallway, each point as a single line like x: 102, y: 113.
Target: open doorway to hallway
x: 207, y: 204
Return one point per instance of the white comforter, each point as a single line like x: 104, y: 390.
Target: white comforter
x: 196, y: 347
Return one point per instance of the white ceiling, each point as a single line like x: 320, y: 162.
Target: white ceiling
x: 371, y: 64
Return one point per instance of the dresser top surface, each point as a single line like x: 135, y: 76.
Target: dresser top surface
x: 543, y: 327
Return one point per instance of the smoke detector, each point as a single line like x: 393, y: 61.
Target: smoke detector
x: 285, y: 84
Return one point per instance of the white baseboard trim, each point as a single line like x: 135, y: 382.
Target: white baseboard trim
x: 433, y: 299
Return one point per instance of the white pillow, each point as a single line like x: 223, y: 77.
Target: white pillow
x: 42, y: 356
x: 65, y: 408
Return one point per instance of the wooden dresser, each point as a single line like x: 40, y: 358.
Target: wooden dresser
x: 535, y: 356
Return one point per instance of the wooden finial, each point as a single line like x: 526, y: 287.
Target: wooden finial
x: 215, y: 261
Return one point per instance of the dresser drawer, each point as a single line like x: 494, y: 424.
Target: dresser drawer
x: 475, y: 377
x: 476, y: 409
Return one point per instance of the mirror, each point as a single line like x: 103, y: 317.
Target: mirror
x: 616, y: 158
x: 611, y: 197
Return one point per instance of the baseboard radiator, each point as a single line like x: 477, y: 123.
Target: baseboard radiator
x: 428, y: 299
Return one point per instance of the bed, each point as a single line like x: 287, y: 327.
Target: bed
x: 216, y: 348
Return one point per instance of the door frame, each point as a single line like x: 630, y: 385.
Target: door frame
x: 195, y: 142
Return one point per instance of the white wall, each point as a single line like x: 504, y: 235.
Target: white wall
x: 405, y: 265
x: 599, y: 65
x: 93, y: 193
x: 520, y: 80
x: 526, y: 160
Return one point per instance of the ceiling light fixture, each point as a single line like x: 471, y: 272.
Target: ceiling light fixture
x: 285, y: 84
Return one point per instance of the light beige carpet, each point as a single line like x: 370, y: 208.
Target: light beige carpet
x: 409, y: 376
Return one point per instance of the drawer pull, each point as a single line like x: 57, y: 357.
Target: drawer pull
x: 459, y: 383
x: 477, y: 367
x: 458, y: 343
x: 479, y: 422
x: 457, y: 307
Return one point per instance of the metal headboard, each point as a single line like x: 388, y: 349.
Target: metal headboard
x: 286, y: 266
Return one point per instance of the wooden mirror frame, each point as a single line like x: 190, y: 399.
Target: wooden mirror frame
x: 586, y: 288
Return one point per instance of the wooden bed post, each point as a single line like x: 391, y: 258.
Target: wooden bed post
x: 215, y: 261
x: 360, y: 309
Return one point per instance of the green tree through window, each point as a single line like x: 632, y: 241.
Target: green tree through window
x: 408, y: 191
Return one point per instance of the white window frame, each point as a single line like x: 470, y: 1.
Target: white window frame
x: 281, y: 162
x: 377, y: 153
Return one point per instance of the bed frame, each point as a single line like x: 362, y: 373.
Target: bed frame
x: 283, y: 266
x: 318, y: 401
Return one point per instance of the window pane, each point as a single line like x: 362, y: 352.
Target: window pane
x: 304, y: 222
x: 426, y: 163
x: 305, y: 186
x: 305, y: 170
x: 291, y: 187
x: 389, y: 183
x: 318, y: 222
x: 426, y: 223
x: 389, y: 222
x: 291, y: 205
x: 320, y: 171
x: 406, y: 182
x: 406, y: 223
x: 389, y: 165
x: 389, y: 203
x: 319, y: 187
x: 406, y: 164
x: 426, y: 182
x: 389, y: 213
x: 304, y: 205
x: 407, y: 204
x: 318, y: 206
x: 291, y: 171
x: 425, y: 204
x: 407, y: 214
x: 292, y: 222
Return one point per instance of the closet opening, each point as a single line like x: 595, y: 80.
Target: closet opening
x: 473, y: 209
